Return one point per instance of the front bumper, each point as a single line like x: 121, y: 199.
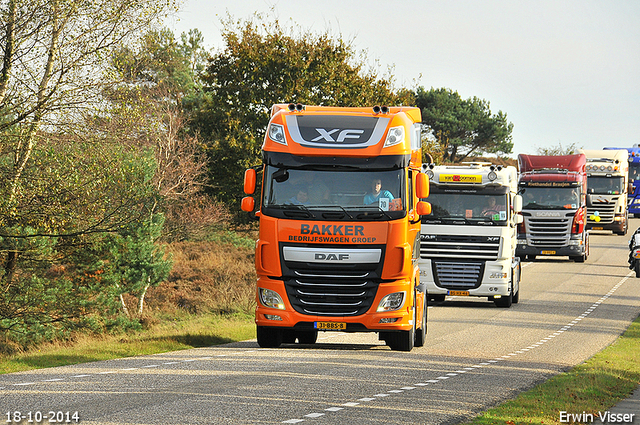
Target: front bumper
x: 396, y: 320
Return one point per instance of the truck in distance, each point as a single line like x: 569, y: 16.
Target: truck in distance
x: 607, y: 185
x: 339, y: 228
x: 633, y: 193
x: 553, y: 189
x: 468, y: 241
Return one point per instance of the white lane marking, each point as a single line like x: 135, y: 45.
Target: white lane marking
x: 489, y: 362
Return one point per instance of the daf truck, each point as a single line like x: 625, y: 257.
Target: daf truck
x: 339, y: 235
x: 607, y: 181
x: 468, y: 242
x: 553, y: 190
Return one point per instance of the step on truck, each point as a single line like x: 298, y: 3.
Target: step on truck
x: 607, y: 186
x: 554, y: 206
x: 633, y: 192
x: 339, y: 214
x: 468, y: 241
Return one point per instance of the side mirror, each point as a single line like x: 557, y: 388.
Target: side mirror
x: 518, y: 218
x: 517, y: 203
x: 422, y: 186
x: 423, y: 208
x: 249, y: 182
x: 248, y: 204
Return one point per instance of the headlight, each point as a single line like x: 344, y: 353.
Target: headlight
x: 270, y: 298
x: 276, y: 133
x: 394, y: 136
x: 391, y: 302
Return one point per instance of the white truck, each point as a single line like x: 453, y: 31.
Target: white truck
x: 468, y: 242
x: 607, y: 188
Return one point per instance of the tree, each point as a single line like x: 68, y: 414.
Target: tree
x: 572, y: 149
x: 66, y: 185
x: 463, y: 128
x: 263, y: 64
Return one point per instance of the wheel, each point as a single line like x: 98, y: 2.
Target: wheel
x: 637, y: 268
x: 490, y: 213
x: 421, y: 334
x: 403, y: 340
x: 504, y: 302
x: 307, y: 337
x: 516, y: 296
x: 269, y: 337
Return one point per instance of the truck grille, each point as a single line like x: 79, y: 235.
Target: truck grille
x: 460, y: 247
x: 457, y: 275
x: 548, y: 232
x: 605, y: 211
x: 331, y: 289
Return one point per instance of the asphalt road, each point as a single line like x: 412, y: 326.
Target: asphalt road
x: 476, y: 356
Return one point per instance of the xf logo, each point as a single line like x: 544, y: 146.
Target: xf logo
x: 327, y: 136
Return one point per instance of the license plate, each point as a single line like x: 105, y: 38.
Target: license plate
x: 459, y: 293
x: 598, y: 228
x: 548, y: 252
x: 330, y: 326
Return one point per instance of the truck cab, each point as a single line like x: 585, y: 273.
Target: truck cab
x: 339, y: 217
x: 467, y: 245
x: 553, y: 189
x: 607, y: 187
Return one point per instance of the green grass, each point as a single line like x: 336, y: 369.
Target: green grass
x: 179, y: 334
x: 593, y: 386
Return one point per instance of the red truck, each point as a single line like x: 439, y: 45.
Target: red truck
x: 553, y: 189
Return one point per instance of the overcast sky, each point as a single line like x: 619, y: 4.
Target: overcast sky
x: 564, y: 71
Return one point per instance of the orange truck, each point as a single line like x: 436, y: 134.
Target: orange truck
x: 339, y: 211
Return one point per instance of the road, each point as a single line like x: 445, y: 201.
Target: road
x: 476, y: 356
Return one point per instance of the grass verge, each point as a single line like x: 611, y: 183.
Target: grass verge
x: 178, y: 334
x: 593, y: 386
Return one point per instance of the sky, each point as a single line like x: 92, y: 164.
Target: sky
x: 565, y: 72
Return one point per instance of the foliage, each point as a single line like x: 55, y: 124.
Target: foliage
x: 461, y: 128
x: 67, y: 184
x: 261, y: 64
x: 572, y: 149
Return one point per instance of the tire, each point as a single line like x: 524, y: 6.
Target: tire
x: 403, y: 340
x: 636, y: 267
x: 269, y: 337
x: 307, y: 337
x: 505, y: 302
x: 421, y: 334
x: 516, y: 296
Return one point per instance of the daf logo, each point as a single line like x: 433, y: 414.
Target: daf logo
x: 331, y: 257
x: 427, y: 237
x: 342, y: 136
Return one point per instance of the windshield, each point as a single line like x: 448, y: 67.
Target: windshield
x: 604, y: 185
x: 471, y: 207
x: 634, y: 171
x: 378, y: 194
x: 550, y: 198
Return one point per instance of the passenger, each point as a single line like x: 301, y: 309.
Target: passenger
x: 301, y: 198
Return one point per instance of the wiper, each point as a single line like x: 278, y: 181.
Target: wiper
x: 293, y: 210
x: 380, y: 212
